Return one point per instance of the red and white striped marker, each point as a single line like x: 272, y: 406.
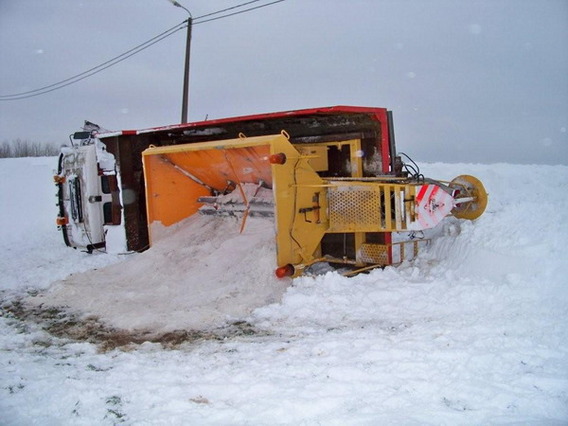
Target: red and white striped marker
x: 432, y: 205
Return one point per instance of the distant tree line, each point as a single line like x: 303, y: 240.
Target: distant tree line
x: 26, y: 148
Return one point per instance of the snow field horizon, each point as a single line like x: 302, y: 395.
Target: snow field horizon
x: 471, y: 332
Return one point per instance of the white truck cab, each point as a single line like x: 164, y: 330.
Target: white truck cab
x: 90, y: 211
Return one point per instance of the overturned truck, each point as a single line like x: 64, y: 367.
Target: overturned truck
x: 330, y: 178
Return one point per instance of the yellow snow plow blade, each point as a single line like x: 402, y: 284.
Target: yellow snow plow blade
x: 181, y: 179
x: 346, y: 220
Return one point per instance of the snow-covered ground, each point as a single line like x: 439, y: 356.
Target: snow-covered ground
x: 473, y: 332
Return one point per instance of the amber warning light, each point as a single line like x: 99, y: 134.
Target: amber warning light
x: 61, y: 220
x: 279, y: 158
x: 285, y: 271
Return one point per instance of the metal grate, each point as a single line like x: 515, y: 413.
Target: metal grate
x: 374, y: 253
x: 354, y: 208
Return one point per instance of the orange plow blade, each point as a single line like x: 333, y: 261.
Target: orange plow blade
x: 178, y: 176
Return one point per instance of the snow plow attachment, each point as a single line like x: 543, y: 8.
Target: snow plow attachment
x: 360, y: 222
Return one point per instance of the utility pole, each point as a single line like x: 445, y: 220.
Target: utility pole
x: 185, y: 97
x: 185, y: 101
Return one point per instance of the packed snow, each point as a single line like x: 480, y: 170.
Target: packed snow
x: 201, y: 273
x: 472, y: 332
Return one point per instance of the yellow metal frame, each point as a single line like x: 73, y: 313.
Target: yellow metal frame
x: 317, y: 155
x: 300, y: 206
x: 308, y: 207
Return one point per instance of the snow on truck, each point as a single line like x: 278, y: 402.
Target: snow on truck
x: 330, y: 177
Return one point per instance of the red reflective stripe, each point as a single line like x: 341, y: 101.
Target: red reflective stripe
x: 420, y: 195
x: 434, y: 192
x: 388, y: 242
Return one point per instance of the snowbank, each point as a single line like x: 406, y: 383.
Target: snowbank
x: 200, y: 274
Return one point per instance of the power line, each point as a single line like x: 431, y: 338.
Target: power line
x: 123, y: 56
x: 239, y: 12
x: 229, y: 8
x: 92, y: 71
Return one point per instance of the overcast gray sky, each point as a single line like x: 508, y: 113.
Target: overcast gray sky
x: 469, y: 81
